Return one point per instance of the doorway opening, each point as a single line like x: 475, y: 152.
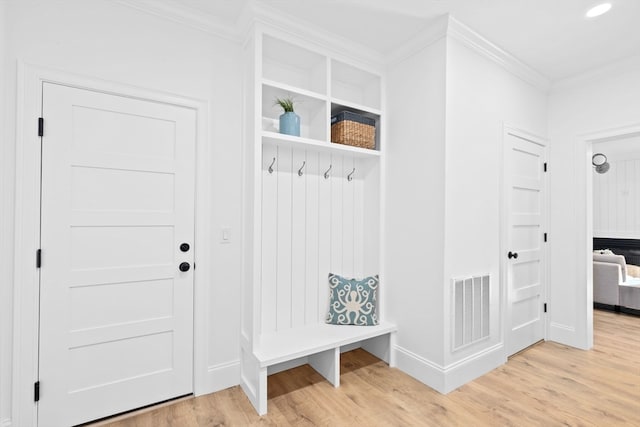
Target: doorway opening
x: 595, y: 144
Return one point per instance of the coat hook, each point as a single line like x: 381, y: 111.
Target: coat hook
x: 271, y: 165
x: 326, y: 174
x: 301, y: 168
x: 350, y: 176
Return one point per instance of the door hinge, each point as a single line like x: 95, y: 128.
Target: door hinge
x: 545, y: 307
x: 38, y: 258
x: 36, y: 391
x: 40, y: 126
x: 545, y: 166
x: 545, y: 237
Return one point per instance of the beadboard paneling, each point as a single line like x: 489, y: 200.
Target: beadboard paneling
x: 311, y: 226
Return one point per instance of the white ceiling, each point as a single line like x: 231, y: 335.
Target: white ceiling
x: 551, y: 36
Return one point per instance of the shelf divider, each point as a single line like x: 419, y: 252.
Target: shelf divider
x: 294, y: 90
x: 357, y: 107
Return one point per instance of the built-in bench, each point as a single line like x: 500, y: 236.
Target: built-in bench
x: 320, y: 344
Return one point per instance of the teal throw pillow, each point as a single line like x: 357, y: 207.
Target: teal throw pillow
x: 352, y: 301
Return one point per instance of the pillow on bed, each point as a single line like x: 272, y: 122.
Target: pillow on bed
x: 352, y: 301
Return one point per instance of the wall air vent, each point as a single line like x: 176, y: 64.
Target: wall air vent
x: 470, y: 310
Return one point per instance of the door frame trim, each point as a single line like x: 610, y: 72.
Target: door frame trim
x: 27, y: 225
x: 508, y: 129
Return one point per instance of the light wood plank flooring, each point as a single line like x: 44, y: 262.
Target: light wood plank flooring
x: 546, y: 385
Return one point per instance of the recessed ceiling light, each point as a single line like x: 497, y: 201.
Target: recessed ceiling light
x: 598, y: 10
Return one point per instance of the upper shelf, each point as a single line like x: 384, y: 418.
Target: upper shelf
x: 294, y: 91
x: 355, y: 86
x: 312, y: 74
x: 293, y: 65
x: 321, y: 87
x: 278, y: 139
x: 311, y: 107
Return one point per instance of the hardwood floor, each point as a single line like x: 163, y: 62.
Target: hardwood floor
x: 546, y: 385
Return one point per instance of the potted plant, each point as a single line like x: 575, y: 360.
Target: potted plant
x: 289, y: 120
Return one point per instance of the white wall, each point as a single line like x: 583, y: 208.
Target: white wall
x: 6, y: 179
x: 109, y: 41
x: 616, y: 193
x: 447, y: 104
x: 600, y: 100
x: 415, y: 204
x: 481, y: 97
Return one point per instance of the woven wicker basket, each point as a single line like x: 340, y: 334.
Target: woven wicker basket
x: 352, y: 129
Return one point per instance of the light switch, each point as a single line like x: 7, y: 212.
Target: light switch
x: 225, y: 235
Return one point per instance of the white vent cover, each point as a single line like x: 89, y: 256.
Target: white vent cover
x: 470, y: 310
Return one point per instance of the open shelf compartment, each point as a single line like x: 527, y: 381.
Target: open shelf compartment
x: 311, y: 109
x: 288, y: 63
x: 337, y: 108
x: 355, y: 85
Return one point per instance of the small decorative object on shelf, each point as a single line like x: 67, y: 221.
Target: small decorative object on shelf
x: 289, y: 120
x: 353, y: 129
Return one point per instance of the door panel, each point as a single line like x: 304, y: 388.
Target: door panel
x: 116, y: 316
x: 524, y: 191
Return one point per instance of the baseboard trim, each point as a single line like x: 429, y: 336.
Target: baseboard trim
x: 474, y: 366
x: 607, y: 307
x: 422, y: 369
x: 563, y: 334
x: 445, y: 379
x: 631, y: 311
x: 222, y: 376
x: 616, y: 308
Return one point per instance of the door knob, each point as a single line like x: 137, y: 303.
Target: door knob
x: 512, y: 255
x: 184, y: 247
x: 185, y: 266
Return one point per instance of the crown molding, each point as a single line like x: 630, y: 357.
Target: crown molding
x: 447, y: 26
x: 484, y: 47
x: 339, y: 47
x: 626, y: 65
x: 431, y: 34
x: 173, y: 10
x: 255, y: 12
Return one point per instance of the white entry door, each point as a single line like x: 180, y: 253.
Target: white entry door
x: 116, y: 311
x: 524, y: 163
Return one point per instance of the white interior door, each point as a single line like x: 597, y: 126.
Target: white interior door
x: 116, y: 312
x: 525, y: 264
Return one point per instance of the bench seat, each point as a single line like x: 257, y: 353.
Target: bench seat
x: 320, y: 344
x: 295, y: 343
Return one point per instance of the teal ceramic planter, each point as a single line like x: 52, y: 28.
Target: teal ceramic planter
x: 290, y: 124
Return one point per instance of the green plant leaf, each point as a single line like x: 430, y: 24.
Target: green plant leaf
x: 285, y: 103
